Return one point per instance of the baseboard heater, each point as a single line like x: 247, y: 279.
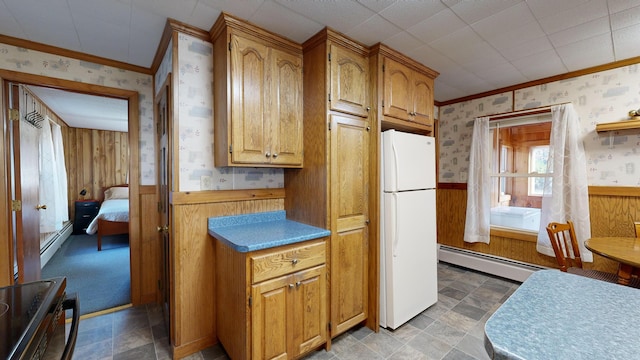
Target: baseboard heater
x: 54, y: 243
x: 490, y: 264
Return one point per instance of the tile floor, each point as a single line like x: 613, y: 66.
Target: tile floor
x: 451, y: 329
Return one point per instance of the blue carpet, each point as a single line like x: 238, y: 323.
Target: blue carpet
x: 100, y: 278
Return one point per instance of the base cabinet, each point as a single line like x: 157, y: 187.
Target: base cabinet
x: 272, y: 303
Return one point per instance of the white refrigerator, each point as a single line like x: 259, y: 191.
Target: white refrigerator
x: 408, y: 246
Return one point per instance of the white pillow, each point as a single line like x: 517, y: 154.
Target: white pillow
x: 116, y: 193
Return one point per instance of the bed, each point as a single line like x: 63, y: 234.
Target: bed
x: 113, y: 216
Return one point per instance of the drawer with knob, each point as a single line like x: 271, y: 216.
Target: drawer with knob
x: 269, y: 264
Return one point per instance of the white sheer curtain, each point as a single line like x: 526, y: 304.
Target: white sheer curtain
x: 568, y: 184
x: 53, y: 178
x: 48, y: 180
x: 62, y: 210
x: 477, y: 227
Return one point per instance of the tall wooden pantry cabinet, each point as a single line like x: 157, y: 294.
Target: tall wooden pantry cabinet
x: 332, y: 190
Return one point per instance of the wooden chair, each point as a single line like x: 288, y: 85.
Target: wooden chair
x: 565, y: 246
x: 636, y: 225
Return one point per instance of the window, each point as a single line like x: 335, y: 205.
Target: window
x: 520, y: 153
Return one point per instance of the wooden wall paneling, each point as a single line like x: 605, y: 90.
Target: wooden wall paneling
x: 611, y: 215
x: 151, y: 247
x: 193, y: 258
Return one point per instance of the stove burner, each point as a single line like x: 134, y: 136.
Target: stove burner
x: 4, y: 307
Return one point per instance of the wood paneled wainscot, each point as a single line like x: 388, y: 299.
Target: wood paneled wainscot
x: 258, y: 96
x: 613, y: 211
x: 272, y: 303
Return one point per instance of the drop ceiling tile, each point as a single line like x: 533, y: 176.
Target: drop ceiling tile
x: 179, y: 10
x: 581, y: 32
x: 628, y: 17
x: 544, y: 8
x: 113, y: 12
x: 8, y: 24
x: 143, y: 47
x: 460, y: 45
x: 409, y: 13
x: 540, y: 65
x: 431, y: 58
x: 504, y: 21
x: 587, y: 53
x: 377, y: 5
x: 373, y: 30
x: 625, y: 42
x: 620, y: 5
x: 441, y: 24
x: 444, y: 92
x: 562, y: 20
x: 463, y: 79
x: 502, y: 75
x: 339, y: 15
x: 146, y: 23
x: 242, y: 9
x: 472, y: 11
x: 517, y: 35
x: 204, y: 16
x: 101, y: 38
x: 297, y: 27
x: 527, y: 48
x: 403, y: 42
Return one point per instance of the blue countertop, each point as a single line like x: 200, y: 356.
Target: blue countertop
x: 259, y: 231
x: 556, y: 315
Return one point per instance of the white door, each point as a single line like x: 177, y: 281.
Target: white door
x: 409, y: 161
x: 410, y: 255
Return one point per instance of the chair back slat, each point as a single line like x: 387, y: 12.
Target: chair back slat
x: 565, y: 245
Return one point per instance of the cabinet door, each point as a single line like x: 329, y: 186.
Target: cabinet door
x: 309, y: 306
x: 422, y: 99
x: 270, y: 318
x: 349, y: 82
x: 249, y: 90
x: 286, y: 109
x: 349, y: 222
x: 398, y: 101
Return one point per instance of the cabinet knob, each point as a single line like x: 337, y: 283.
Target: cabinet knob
x: 298, y: 284
x: 275, y: 155
x: 290, y: 286
x: 294, y: 261
x: 267, y: 154
x: 41, y: 207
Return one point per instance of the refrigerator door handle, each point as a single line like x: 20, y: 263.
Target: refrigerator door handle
x: 396, y: 185
x: 396, y: 228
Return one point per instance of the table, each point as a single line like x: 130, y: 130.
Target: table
x: 558, y: 315
x: 625, y: 250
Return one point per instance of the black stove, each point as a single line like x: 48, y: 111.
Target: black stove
x: 31, y: 315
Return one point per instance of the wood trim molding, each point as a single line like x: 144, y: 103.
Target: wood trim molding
x: 72, y: 54
x: 147, y: 190
x: 571, y: 74
x: 452, y: 186
x: 632, y: 191
x: 217, y: 196
x: 170, y: 27
x: 513, y: 234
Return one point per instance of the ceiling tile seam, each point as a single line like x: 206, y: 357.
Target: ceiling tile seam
x: 613, y: 44
x: 553, y: 46
x: 75, y: 27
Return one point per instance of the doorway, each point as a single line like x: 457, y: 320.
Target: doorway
x: 133, y: 168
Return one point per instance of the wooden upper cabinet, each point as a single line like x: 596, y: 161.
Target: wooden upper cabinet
x: 349, y: 81
x: 408, y: 94
x: 257, y: 96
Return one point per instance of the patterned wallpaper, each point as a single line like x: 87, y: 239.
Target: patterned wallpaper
x: 195, y: 142
x: 40, y: 63
x: 613, y: 158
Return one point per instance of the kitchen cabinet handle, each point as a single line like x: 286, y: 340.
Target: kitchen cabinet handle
x: 294, y: 261
x: 267, y: 154
x: 290, y: 286
x: 298, y: 284
x: 41, y: 207
x: 275, y: 155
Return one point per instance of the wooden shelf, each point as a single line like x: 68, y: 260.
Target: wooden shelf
x: 619, y: 125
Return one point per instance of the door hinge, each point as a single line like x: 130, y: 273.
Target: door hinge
x: 16, y: 205
x: 382, y: 103
x: 229, y: 45
x: 329, y: 96
x: 14, y: 114
x: 329, y: 56
x: 329, y: 125
x: 250, y: 301
x: 329, y: 325
x: 230, y: 148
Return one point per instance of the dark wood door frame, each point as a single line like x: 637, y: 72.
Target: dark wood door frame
x: 134, y: 170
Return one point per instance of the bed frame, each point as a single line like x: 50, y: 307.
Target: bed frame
x: 106, y: 227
